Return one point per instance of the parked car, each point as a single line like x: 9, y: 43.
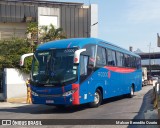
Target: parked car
x: 155, y: 77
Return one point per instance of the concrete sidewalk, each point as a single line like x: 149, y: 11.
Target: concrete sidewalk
x: 14, y: 102
x: 17, y: 100
x: 151, y: 114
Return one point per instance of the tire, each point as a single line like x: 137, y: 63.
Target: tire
x: 131, y: 94
x: 97, y: 99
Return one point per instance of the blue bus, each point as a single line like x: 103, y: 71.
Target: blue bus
x: 83, y: 70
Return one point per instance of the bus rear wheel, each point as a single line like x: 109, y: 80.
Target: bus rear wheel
x: 97, y: 99
x: 131, y: 94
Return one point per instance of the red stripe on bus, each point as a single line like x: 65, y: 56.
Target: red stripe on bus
x: 120, y: 70
x: 75, y: 95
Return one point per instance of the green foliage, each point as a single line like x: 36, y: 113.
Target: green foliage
x: 49, y: 33
x: 32, y: 34
x: 11, y: 51
x: 32, y: 28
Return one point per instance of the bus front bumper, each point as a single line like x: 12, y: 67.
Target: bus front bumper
x: 58, y: 100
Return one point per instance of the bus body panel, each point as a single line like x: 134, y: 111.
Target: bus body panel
x: 113, y: 81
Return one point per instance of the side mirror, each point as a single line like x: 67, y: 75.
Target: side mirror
x: 77, y: 55
x: 23, y: 57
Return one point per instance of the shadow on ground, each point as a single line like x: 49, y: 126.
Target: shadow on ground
x: 146, y: 105
x: 44, y: 109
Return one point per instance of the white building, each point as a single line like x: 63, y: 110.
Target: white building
x: 76, y: 19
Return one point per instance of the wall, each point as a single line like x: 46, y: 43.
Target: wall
x: 46, y: 14
x: 8, y: 30
x: 76, y: 20
x: 15, y: 83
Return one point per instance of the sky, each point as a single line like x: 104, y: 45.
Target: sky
x: 128, y: 22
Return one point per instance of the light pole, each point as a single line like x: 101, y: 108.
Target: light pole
x: 91, y: 27
x: 153, y: 61
x: 149, y: 59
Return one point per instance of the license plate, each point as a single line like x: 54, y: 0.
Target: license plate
x: 49, y: 101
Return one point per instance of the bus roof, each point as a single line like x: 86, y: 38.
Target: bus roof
x: 80, y: 43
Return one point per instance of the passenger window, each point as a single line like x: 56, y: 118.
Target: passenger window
x: 138, y: 63
x: 133, y: 61
x: 126, y: 60
x: 111, y: 56
x: 90, y: 51
x: 83, y: 65
x: 119, y: 59
x: 101, y: 57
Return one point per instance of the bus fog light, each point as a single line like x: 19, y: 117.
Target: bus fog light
x: 69, y: 92
x: 71, y: 99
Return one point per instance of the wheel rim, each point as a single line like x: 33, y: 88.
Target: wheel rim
x: 96, y: 98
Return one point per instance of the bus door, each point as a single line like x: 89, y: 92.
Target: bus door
x: 85, y: 72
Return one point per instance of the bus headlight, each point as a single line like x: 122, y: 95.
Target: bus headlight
x: 34, y: 93
x: 69, y: 92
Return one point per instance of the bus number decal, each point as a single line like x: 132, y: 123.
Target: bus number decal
x: 104, y: 74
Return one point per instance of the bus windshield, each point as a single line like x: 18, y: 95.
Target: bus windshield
x: 54, y: 67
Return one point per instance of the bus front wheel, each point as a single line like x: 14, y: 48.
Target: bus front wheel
x: 97, y: 99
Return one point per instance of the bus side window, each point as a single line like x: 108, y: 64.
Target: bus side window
x: 83, y: 65
x: 91, y: 53
x: 126, y: 60
x: 111, y: 57
x: 138, y: 63
x: 119, y: 59
x: 133, y: 61
x: 101, y: 57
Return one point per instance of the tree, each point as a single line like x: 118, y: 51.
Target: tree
x: 32, y: 34
x: 49, y: 33
x: 11, y: 51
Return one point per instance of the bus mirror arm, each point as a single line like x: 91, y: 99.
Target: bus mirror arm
x: 77, y: 55
x: 23, y: 57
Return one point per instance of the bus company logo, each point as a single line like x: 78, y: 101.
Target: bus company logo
x: 6, y: 122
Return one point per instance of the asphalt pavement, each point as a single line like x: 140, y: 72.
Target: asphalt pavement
x: 119, y: 108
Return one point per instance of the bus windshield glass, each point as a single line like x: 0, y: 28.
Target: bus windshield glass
x: 54, y: 67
